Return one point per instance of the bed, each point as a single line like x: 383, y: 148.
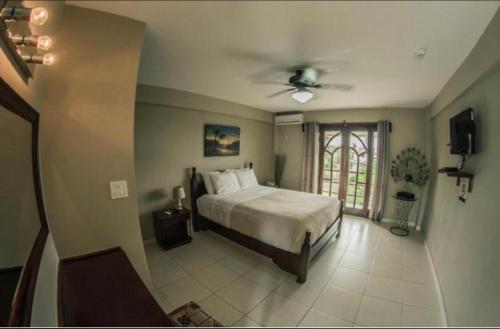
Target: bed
x: 288, y: 226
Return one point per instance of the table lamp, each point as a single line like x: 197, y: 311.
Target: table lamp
x: 179, y: 195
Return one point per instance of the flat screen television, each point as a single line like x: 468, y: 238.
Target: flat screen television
x: 463, y: 133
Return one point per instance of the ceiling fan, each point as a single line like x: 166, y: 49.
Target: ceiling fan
x: 304, y: 79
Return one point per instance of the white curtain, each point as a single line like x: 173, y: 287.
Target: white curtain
x: 310, y: 158
x: 383, y: 168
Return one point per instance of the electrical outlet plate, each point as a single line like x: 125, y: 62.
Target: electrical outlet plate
x: 118, y: 189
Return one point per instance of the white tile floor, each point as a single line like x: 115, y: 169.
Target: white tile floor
x: 367, y: 277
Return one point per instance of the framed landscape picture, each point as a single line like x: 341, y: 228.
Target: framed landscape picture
x: 222, y: 140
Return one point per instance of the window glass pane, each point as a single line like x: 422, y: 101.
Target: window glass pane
x: 335, y: 187
x: 358, y: 166
x: 362, y: 177
x: 350, y: 189
x: 350, y: 201
x: 331, y: 163
x: 360, y: 191
x: 336, y: 175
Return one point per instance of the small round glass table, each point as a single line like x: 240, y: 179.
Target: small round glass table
x: 403, y: 209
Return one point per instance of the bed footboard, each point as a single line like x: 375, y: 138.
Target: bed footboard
x: 310, y: 252
x: 305, y: 252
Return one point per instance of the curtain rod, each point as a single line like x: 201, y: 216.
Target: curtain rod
x: 343, y: 124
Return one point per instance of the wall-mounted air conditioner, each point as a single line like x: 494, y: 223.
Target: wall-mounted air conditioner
x: 289, y: 119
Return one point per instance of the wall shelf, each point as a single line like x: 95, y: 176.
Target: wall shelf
x: 458, y: 175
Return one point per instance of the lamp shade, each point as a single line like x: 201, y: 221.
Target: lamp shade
x: 179, y: 192
x: 302, y: 96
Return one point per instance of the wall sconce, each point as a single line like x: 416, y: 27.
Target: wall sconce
x: 42, y: 42
x: 47, y: 59
x: 16, y: 42
x: 37, y: 16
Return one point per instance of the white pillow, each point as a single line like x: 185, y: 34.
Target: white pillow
x: 208, y: 181
x: 224, y: 182
x: 246, y: 178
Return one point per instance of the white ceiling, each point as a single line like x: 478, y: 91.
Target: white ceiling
x: 229, y: 49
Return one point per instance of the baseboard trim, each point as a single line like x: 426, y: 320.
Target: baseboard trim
x: 442, y: 310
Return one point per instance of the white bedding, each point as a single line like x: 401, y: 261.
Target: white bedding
x: 274, y: 216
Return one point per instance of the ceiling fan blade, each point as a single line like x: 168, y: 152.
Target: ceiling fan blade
x: 274, y: 72
x: 269, y: 83
x: 280, y: 92
x: 335, y: 86
x: 322, y: 66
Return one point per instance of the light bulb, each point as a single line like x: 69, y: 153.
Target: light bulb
x: 302, y: 96
x: 39, y: 16
x: 48, y: 59
x: 44, y: 42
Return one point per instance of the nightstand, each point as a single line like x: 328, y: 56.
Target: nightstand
x: 172, y: 230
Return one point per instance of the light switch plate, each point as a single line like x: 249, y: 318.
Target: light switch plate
x: 118, y: 189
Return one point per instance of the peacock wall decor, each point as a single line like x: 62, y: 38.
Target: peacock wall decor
x: 410, y: 166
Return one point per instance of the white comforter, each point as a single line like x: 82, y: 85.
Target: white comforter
x: 277, y: 217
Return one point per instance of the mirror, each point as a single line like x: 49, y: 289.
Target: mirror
x: 19, y: 221
x: 23, y: 228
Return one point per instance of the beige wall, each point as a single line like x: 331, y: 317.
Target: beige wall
x: 169, y: 140
x: 184, y: 99
x: 408, y: 126
x: 87, y: 134
x: 464, y: 237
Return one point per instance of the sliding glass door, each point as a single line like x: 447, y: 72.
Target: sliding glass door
x: 347, y: 172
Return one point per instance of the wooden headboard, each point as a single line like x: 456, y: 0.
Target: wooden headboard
x: 197, y: 190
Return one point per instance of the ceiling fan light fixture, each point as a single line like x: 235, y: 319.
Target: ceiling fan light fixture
x: 302, y: 96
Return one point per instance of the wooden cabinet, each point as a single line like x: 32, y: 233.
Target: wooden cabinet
x: 102, y: 289
x: 172, y: 230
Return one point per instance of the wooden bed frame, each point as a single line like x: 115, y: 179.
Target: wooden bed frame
x: 294, y: 263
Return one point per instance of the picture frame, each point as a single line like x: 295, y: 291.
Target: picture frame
x: 463, y: 189
x: 221, y: 140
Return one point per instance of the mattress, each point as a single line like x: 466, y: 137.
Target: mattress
x: 274, y: 216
